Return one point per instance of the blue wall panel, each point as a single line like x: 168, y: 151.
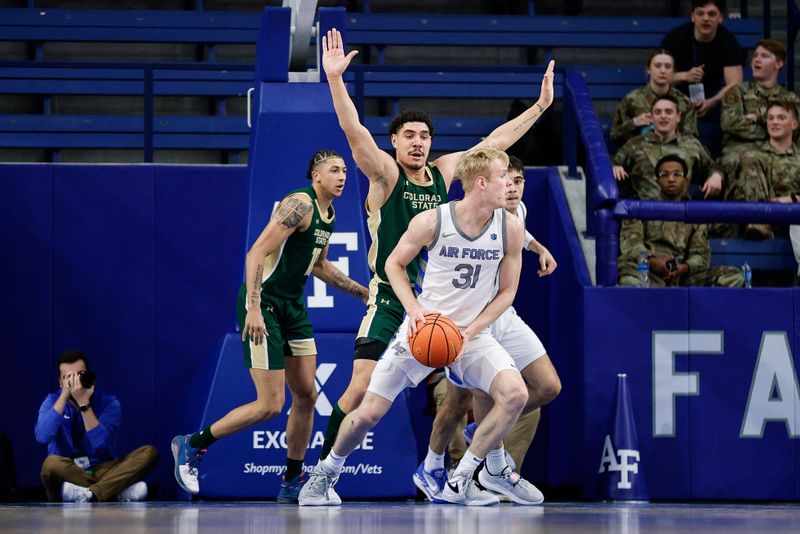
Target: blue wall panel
x: 707, y: 353
x: 134, y: 265
x: 26, y: 278
x: 199, y: 243
x: 619, y: 324
x: 741, y: 466
x: 103, y: 283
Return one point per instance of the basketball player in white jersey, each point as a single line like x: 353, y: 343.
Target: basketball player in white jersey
x: 474, y: 259
x: 541, y: 379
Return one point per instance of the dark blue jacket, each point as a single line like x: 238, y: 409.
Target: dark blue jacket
x: 65, y: 435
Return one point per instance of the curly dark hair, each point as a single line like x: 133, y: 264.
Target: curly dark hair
x: 410, y: 115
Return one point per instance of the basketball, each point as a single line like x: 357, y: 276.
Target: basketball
x: 437, y: 342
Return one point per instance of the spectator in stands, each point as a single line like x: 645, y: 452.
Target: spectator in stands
x: 706, y: 55
x: 80, y: 426
x: 679, y: 253
x: 637, y: 158
x: 633, y: 117
x: 771, y: 171
x: 744, y: 108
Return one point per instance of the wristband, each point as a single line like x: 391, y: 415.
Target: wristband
x: 541, y: 109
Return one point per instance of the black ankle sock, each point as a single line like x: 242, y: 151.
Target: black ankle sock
x: 293, y: 468
x: 202, y: 439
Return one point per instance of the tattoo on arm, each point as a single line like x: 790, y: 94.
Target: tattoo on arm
x: 255, y: 291
x: 526, y: 121
x: 343, y: 282
x: 292, y: 210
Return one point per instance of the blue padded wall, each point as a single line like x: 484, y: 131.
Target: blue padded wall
x: 26, y: 275
x: 137, y: 266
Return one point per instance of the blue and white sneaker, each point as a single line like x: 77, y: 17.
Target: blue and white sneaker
x: 290, y: 489
x: 187, y: 459
x: 469, y: 433
x: 431, y: 483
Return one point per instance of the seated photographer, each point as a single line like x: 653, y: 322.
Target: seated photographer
x: 80, y: 426
x: 678, y: 253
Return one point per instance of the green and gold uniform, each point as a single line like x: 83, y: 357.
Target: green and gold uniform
x: 289, y: 331
x: 386, y: 225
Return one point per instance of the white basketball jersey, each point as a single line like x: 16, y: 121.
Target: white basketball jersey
x: 462, y: 273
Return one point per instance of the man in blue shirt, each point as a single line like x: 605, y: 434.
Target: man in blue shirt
x: 80, y: 426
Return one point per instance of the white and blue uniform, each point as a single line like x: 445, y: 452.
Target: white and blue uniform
x: 511, y: 331
x: 460, y: 280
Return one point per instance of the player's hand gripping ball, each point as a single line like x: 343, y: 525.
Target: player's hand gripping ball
x: 437, y: 342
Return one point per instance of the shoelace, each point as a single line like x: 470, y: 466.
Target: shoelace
x: 510, y: 476
x: 192, y: 463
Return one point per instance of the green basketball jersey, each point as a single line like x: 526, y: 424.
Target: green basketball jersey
x: 386, y: 225
x: 286, y: 269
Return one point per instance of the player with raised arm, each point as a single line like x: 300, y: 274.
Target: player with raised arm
x: 472, y: 275
x: 400, y: 187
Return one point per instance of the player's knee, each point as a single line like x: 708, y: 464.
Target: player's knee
x: 514, y: 398
x: 268, y: 409
x: 550, y: 391
x: 365, y: 417
x: 305, y: 399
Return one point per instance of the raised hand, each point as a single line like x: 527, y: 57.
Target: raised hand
x: 546, y: 95
x: 334, y: 60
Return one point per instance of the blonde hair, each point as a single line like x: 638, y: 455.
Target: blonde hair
x: 478, y: 162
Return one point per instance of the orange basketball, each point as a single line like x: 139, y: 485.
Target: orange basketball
x: 437, y: 342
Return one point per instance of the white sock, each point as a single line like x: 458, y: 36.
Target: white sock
x: 496, y: 461
x: 468, y: 464
x: 333, y: 463
x: 433, y: 461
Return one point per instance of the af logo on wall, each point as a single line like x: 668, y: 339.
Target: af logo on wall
x: 324, y: 372
x: 628, y: 462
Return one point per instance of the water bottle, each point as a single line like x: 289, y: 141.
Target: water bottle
x: 643, y: 269
x: 748, y: 275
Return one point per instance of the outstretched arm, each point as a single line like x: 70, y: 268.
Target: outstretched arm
x: 374, y: 162
x: 508, y: 133
x: 418, y: 235
x: 292, y: 213
x: 328, y: 273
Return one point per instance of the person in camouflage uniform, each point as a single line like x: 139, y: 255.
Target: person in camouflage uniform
x: 769, y: 172
x: 744, y: 107
x: 679, y: 253
x: 637, y: 158
x: 633, y: 117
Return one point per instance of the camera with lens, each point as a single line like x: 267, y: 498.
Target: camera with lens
x: 87, y: 379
